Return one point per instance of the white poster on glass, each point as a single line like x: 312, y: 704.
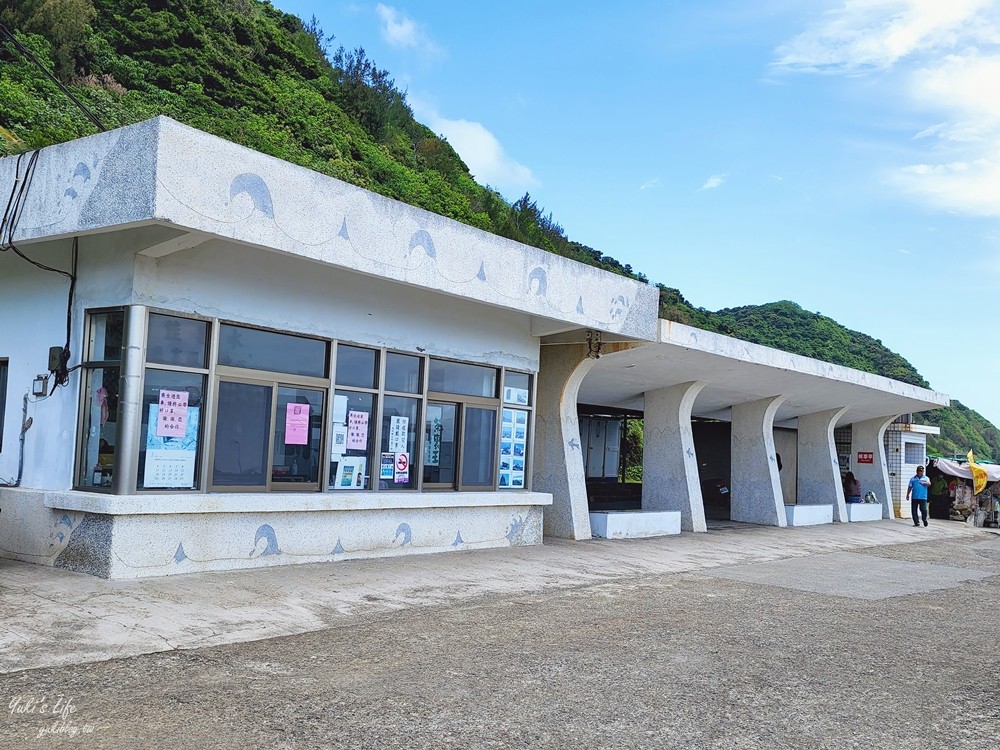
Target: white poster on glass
x: 399, y: 428
x: 338, y: 441
x: 339, y: 409
x: 350, y: 473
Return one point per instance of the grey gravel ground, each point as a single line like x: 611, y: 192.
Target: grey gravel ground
x: 774, y: 654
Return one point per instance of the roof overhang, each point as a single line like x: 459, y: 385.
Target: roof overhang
x: 737, y: 372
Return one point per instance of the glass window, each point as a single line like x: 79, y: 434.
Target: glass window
x: 100, y: 425
x: 297, y: 436
x: 3, y: 395
x: 255, y: 349
x: 913, y: 453
x: 352, y: 440
x: 479, y: 447
x: 107, y: 332
x: 403, y: 373
x: 399, y: 435
x: 170, y: 452
x: 517, y: 388
x: 357, y: 367
x: 463, y: 379
x: 242, y: 435
x: 177, y: 341
x: 440, y: 444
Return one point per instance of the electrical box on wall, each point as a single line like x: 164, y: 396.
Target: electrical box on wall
x: 55, y: 354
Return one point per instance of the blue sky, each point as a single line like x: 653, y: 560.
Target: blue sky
x: 842, y: 154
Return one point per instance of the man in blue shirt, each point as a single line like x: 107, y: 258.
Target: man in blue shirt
x: 918, y: 490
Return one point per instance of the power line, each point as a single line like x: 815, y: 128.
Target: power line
x: 27, y: 53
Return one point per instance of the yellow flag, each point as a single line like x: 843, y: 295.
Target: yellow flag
x: 978, y: 475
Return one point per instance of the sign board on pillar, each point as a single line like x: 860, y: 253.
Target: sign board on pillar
x: 866, y: 457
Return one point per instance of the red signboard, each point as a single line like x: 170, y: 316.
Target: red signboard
x: 866, y: 457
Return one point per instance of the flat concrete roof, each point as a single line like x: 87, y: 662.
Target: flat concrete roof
x: 738, y: 371
x: 198, y: 187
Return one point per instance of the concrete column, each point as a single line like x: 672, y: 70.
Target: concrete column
x: 867, y: 437
x: 819, y: 481
x: 755, y: 488
x: 669, y: 464
x: 558, y: 457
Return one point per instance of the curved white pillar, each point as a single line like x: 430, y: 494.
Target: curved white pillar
x: 755, y: 487
x: 669, y: 463
x: 819, y: 481
x: 867, y: 437
x: 558, y: 457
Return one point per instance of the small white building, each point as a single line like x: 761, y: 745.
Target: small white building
x: 267, y: 366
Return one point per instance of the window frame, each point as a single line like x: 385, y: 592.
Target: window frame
x: 207, y: 418
x: 463, y: 402
x: 87, y: 365
x: 130, y: 440
x: 274, y: 383
x: 4, y: 377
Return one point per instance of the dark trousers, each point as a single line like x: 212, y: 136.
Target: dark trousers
x: 922, y: 505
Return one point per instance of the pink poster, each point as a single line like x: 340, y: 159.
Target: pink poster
x: 297, y: 424
x: 171, y: 417
x: 357, y: 430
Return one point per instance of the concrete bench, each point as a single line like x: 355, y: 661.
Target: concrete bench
x: 864, y: 511
x: 634, y: 524
x: 808, y: 515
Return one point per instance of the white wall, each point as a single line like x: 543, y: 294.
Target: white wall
x: 33, y: 318
x: 250, y: 285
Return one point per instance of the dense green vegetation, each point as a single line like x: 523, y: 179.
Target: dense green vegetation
x: 245, y: 71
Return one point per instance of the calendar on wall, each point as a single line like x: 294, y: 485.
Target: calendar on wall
x: 170, y: 461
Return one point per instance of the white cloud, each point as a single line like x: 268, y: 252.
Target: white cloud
x: 880, y: 33
x: 479, y: 149
x: 944, y: 56
x: 403, y: 32
x: 712, y: 182
x: 655, y: 182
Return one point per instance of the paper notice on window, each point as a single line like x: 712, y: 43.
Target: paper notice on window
x: 297, y: 424
x: 388, y: 467
x: 402, y: 468
x: 432, y: 444
x: 399, y: 428
x: 338, y: 442
x: 351, y: 473
x: 171, y: 420
x: 357, y: 430
x: 339, y: 409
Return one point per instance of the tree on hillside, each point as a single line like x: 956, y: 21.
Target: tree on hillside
x: 65, y: 23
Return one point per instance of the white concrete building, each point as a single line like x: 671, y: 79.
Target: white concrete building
x: 269, y: 366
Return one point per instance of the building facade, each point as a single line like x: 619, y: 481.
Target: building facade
x: 212, y: 359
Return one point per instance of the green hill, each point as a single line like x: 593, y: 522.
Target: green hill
x: 245, y: 71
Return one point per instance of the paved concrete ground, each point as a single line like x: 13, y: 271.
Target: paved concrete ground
x: 742, y: 637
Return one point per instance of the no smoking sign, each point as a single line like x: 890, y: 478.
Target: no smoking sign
x: 402, y: 468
